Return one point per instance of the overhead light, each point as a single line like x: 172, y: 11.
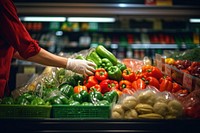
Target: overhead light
x: 122, y: 5
x: 43, y: 19
x: 194, y: 20
x: 90, y: 19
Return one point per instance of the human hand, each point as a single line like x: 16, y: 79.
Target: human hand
x: 83, y: 67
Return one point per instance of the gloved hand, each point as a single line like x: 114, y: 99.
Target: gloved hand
x: 84, y: 67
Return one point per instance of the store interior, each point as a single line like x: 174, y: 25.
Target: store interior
x: 133, y: 29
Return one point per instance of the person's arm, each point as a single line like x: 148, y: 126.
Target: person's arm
x: 46, y: 58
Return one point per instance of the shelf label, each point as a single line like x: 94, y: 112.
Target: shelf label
x: 187, y: 81
x: 168, y: 70
x: 159, y: 65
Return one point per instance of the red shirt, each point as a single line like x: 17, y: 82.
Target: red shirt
x: 13, y: 37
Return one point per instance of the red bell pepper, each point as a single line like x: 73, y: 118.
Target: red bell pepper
x: 107, y: 85
x: 96, y: 87
x: 139, y: 84
x: 129, y: 74
x: 90, y: 81
x: 165, y: 77
x: 166, y: 85
x: 153, y: 82
x: 128, y: 91
x: 176, y: 87
x: 101, y: 74
x: 124, y: 84
x: 152, y: 71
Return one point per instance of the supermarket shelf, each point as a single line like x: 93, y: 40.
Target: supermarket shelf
x: 66, y: 125
x: 150, y: 46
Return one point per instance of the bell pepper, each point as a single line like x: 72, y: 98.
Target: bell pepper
x: 166, y: 85
x: 58, y: 99
x: 107, y: 85
x: 66, y: 89
x: 128, y: 91
x: 104, y: 53
x: 87, y: 104
x: 106, y: 63
x: 165, y: 77
x: 138, y: 84
x: 77, y: 97
x: 90, y: 81
x: 79, y: 88
x: 129, y: 74
x: 80, y: 57
x: 111, y: 96
x: 121, y: 66
x: 38, y: 101
x: 94, y: 57
x: 96, y: 87
x: 153, y: 82
x: 152, y: 71
x: 114, y: 73
x: 7, y: 100
x: 125, y: 84
x: 84, y: 95
x: 101, y: 74
x: 95, y: 96
x: 73, y: 103
x: 176, y: 87
x: 103, y: 103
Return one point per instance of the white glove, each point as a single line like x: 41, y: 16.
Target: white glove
x: 83, y: 67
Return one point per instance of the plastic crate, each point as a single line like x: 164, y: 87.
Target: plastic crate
x: 81, y: 112
x: 25, y: 111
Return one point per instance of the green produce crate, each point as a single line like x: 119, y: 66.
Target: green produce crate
x: 81, y: 112
x: 25, y: 111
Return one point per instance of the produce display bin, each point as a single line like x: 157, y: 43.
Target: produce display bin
x: 81, y: 112
x: 25, y: 111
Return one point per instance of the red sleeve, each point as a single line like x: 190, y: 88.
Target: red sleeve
x: 14, y: 32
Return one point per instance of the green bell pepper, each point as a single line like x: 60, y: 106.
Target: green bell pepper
x: 38, y: 101
x: 7, y: 100
x: 103, y: 103
x: 87, y: 104
x: 80, y: 57
x: 73, y: 103
x: 106, y: 63
x: 84, y: 95
x: 121, y: 66
x: 111, y: 96
x: 77, y: 97
x: 114, y: 73
x: 66, y: 89
x: 94, y: 57
x: 58, y: 99
x: 104, y: 53
x: 22, y: 101
x: 95, y: 96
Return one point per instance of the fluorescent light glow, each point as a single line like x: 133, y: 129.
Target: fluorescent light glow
x: 195, y: 20
x: 90, y: 19
x: 122, y: 5
x: 59, y: 33
x: 44, y: 19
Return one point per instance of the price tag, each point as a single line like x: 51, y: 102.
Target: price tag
x: 168, y: 70
x: 159, y: 65
x: 187, y: 81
